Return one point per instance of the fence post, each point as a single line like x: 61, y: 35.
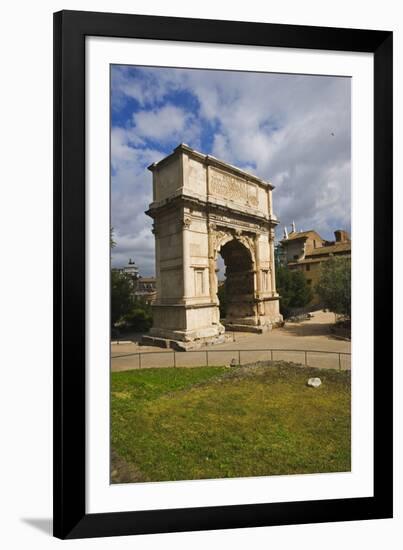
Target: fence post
x: 271, y: 354
x: 339, y: 362
x: 306, y: 353
x: 239, y: 357
x: 206, y: 357
x: 174, y: 359
x: 139, y: 360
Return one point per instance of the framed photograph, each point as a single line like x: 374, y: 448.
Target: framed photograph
x: 223, y: 274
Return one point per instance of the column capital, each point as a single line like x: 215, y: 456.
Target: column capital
x: 186, y: 222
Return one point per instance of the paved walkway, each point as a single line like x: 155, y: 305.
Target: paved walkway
x: 310, y: 335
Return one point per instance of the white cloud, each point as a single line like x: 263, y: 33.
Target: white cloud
x: 220, y: 146
x: 141, y: 243
x: 150, y: 86
x: 131, y: 192
x: 292, y: 130
x: 161, y: 124
x: 295, y: 132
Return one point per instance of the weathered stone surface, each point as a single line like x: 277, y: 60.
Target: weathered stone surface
x: 203, y: 207
x: 314, y: 382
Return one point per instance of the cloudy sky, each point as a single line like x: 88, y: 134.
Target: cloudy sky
x: 292, y: 130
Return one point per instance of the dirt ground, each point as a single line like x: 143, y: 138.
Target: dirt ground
x: 311, y: 336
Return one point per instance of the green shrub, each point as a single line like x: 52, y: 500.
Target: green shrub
x: 334, y: 286
x: 139, y: 318
x: 293, y: 289
x: 121, y: 296
x: 222, y: 297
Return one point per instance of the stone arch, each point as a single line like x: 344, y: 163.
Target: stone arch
x: 220, y: 237
x: 240, y: 282
x: 202, y: 206
x: 223, y: 237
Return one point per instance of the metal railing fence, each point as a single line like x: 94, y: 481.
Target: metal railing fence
x: 218, y: 357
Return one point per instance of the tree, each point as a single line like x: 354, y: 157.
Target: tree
x: 293, y: 289
x: 334, y: 285
x: 139, y: 318
x: 222, y: 298
x: 121, y: 296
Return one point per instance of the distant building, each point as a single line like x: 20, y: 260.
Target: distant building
x: 131, y: 269
x: 306, y: 251
x: 142, y: 287
x: 146, y: 289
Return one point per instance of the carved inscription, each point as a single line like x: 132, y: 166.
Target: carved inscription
x: 231, y: 187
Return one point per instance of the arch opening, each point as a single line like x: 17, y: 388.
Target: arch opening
x: 238, y: 286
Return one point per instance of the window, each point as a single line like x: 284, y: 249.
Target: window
x: 308, y: 267
x: 309, y: 281
x: 295, y: 256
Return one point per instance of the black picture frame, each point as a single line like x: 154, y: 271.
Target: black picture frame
x: 70, y: 31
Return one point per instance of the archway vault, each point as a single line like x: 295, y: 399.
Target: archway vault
x: 239, y: 284
x: 202, y: 206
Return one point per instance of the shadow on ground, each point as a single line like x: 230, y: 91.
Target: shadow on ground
x: 41, y: 524
x: 308, y: 329
x: 134, y: 337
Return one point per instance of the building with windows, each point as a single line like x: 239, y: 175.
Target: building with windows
x: 307, y: 250
x: 146, y: 289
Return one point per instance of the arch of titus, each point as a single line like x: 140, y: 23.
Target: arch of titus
x: 202, y: 207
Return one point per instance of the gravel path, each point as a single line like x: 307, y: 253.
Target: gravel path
x: 313, y: 334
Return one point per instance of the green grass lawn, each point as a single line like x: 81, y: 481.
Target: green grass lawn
x: 214, y: 422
